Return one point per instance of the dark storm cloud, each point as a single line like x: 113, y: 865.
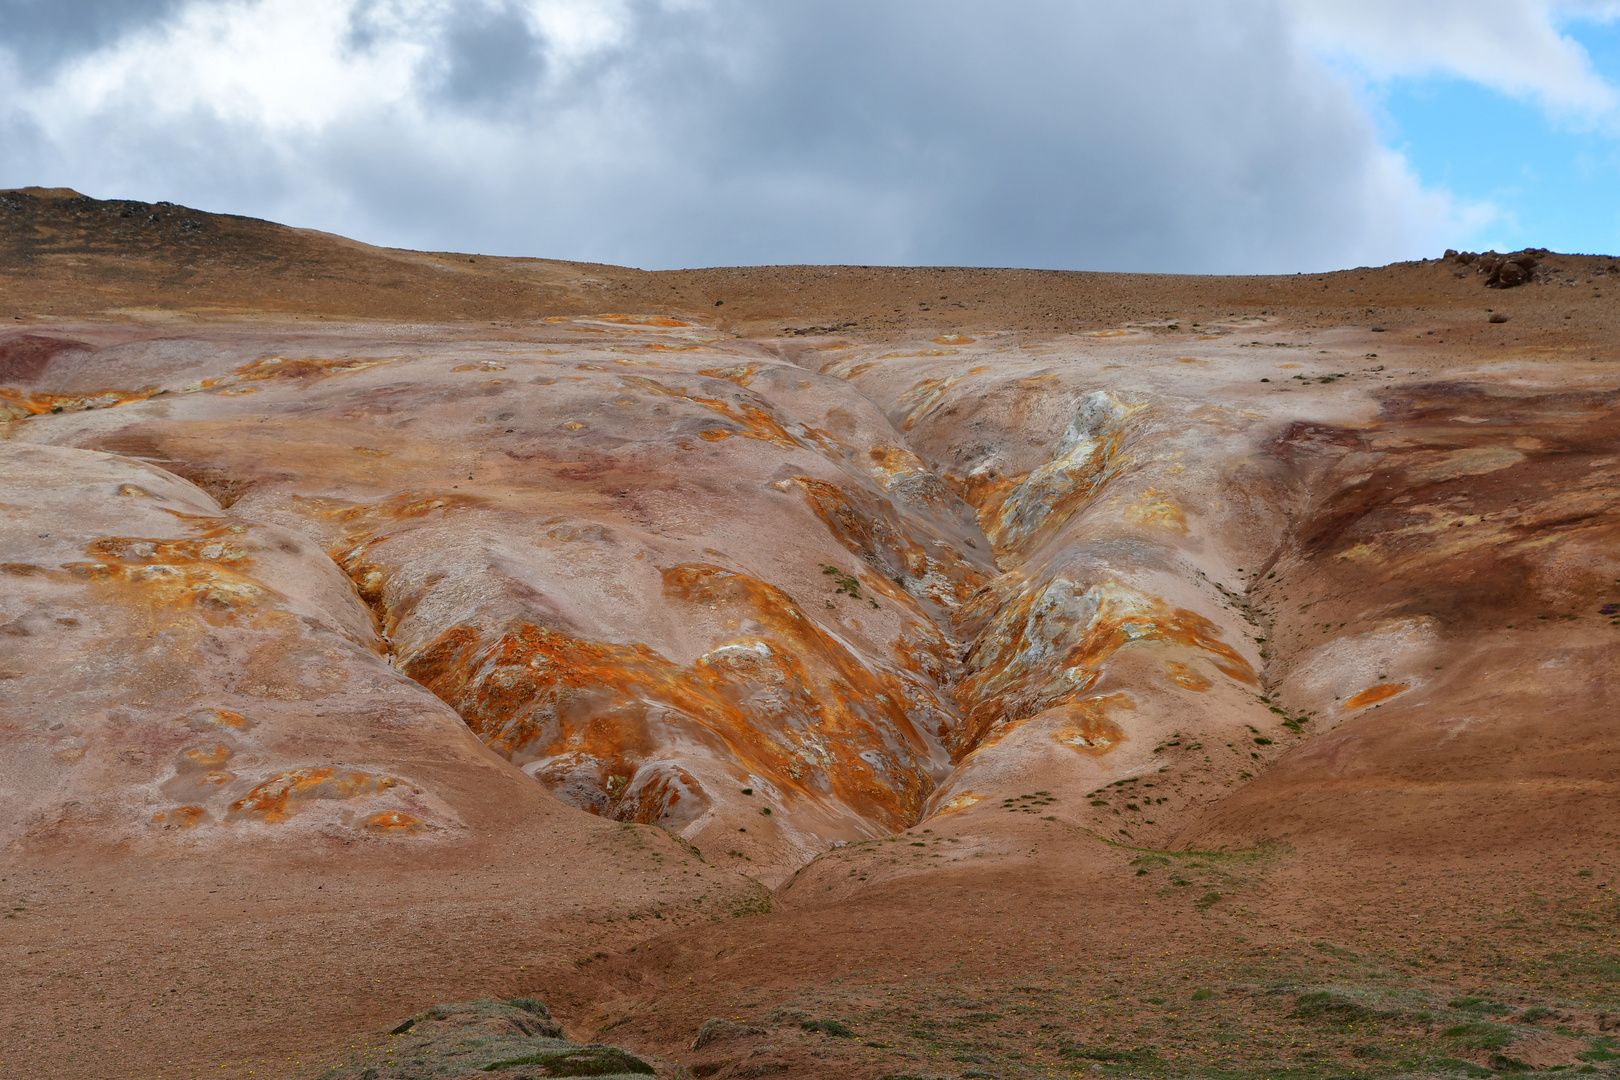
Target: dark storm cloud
x: 43, y: 33
x: 482, y: 53
x: 1148, y: 136
x: 1064, y: 135
x: 1162, y: 134
x: 490, y: 55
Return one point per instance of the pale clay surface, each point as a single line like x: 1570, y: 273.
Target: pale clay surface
x: 607, y: 549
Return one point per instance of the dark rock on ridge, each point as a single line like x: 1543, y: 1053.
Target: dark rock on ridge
x: 1500, y: 271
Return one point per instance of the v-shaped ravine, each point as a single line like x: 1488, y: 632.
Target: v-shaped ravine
x: 774, y: 597
x: 774, y: 609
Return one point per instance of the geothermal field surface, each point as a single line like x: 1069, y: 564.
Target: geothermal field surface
x: 432, y: 665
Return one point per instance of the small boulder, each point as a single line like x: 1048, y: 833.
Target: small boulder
x: 1507, y: 276
x: 508, y: 1039
x: 1508, y: 271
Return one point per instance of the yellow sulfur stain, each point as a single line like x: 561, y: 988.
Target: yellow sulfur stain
x: 1035, y: 657
x: 960, y: 801
x: 1185, y: 677
x: 1019, y: 513
x: 210, y: 757
x: 926, y: 394
x: 756, y: 421
x: 280, y: 367
x: 203, y: 719
x: 15, y: 405
x: 786, y: 700
x: 184, y: 816
x: 1155, y: 507
x: 205, y: 573
x: 392, y: 821
x: 272, y: 800
x: 1087, y: 726
x: 853, y: 370
x: 737, y: 373
x: 640, y: 320
x: 1374, y: 694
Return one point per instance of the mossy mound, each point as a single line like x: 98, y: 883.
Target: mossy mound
x: 502, y: 1040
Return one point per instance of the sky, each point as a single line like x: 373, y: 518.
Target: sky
x: 1198, y: 136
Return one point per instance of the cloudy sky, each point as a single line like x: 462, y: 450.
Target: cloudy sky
x: 1181, y: 135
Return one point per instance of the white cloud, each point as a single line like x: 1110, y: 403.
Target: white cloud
x: 1199, y: 135
x: 270, y: 65
x: 1514, y: 46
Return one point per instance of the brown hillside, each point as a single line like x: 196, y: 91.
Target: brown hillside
x: 799, y: 671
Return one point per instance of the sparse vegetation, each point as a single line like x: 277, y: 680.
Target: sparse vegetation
x: 1029, y: 803
x: 1478, y: 1035
x: 1113, y: 1055
x: 1331, y: 1007
x: 1479, y: 1006
x: 844, y: 583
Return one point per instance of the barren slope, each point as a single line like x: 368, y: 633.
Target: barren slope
x: 1042, y: 648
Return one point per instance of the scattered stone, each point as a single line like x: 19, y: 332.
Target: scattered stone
x: 805, y: 331
x: 1497, y: 317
